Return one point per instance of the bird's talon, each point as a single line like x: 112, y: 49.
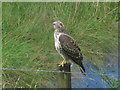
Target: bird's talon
x: 62, y: 63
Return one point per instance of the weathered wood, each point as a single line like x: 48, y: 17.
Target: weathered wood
x: 64, y: 79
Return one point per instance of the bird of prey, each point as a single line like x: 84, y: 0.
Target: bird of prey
x: 67, y: 46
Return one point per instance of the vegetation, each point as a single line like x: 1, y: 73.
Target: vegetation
x: 28, y: 37
x: 111, y: 81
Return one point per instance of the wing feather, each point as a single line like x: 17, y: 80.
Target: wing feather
x: 70, y: 47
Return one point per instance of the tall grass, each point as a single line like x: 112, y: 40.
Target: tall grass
x: 28, y: 37
x: 111, y: 81
x: 0, y: 43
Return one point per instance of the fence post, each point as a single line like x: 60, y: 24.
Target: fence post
x: 64, y: 79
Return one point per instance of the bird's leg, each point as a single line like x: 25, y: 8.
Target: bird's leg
x: 62, y: 63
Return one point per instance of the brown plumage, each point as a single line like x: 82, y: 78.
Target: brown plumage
x: 67, y: 46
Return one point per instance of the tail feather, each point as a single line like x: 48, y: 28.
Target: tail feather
x: 82, y: 69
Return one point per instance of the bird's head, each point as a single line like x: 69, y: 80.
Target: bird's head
x: 58, y: 25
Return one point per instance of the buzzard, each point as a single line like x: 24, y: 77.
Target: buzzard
x: 67, y: 46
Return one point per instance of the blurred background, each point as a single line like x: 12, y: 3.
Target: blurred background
x: 28, y: 42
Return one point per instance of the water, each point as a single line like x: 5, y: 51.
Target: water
x: 93, y: 80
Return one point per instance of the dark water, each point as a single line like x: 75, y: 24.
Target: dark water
x: 93, y: 80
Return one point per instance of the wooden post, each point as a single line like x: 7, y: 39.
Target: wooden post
x: 64, y: 79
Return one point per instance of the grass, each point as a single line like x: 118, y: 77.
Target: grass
x: 28, y: 37
x: 111, y: 81
x: 0, y: 43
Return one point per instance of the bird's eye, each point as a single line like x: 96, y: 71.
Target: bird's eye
x: 61, y: 24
